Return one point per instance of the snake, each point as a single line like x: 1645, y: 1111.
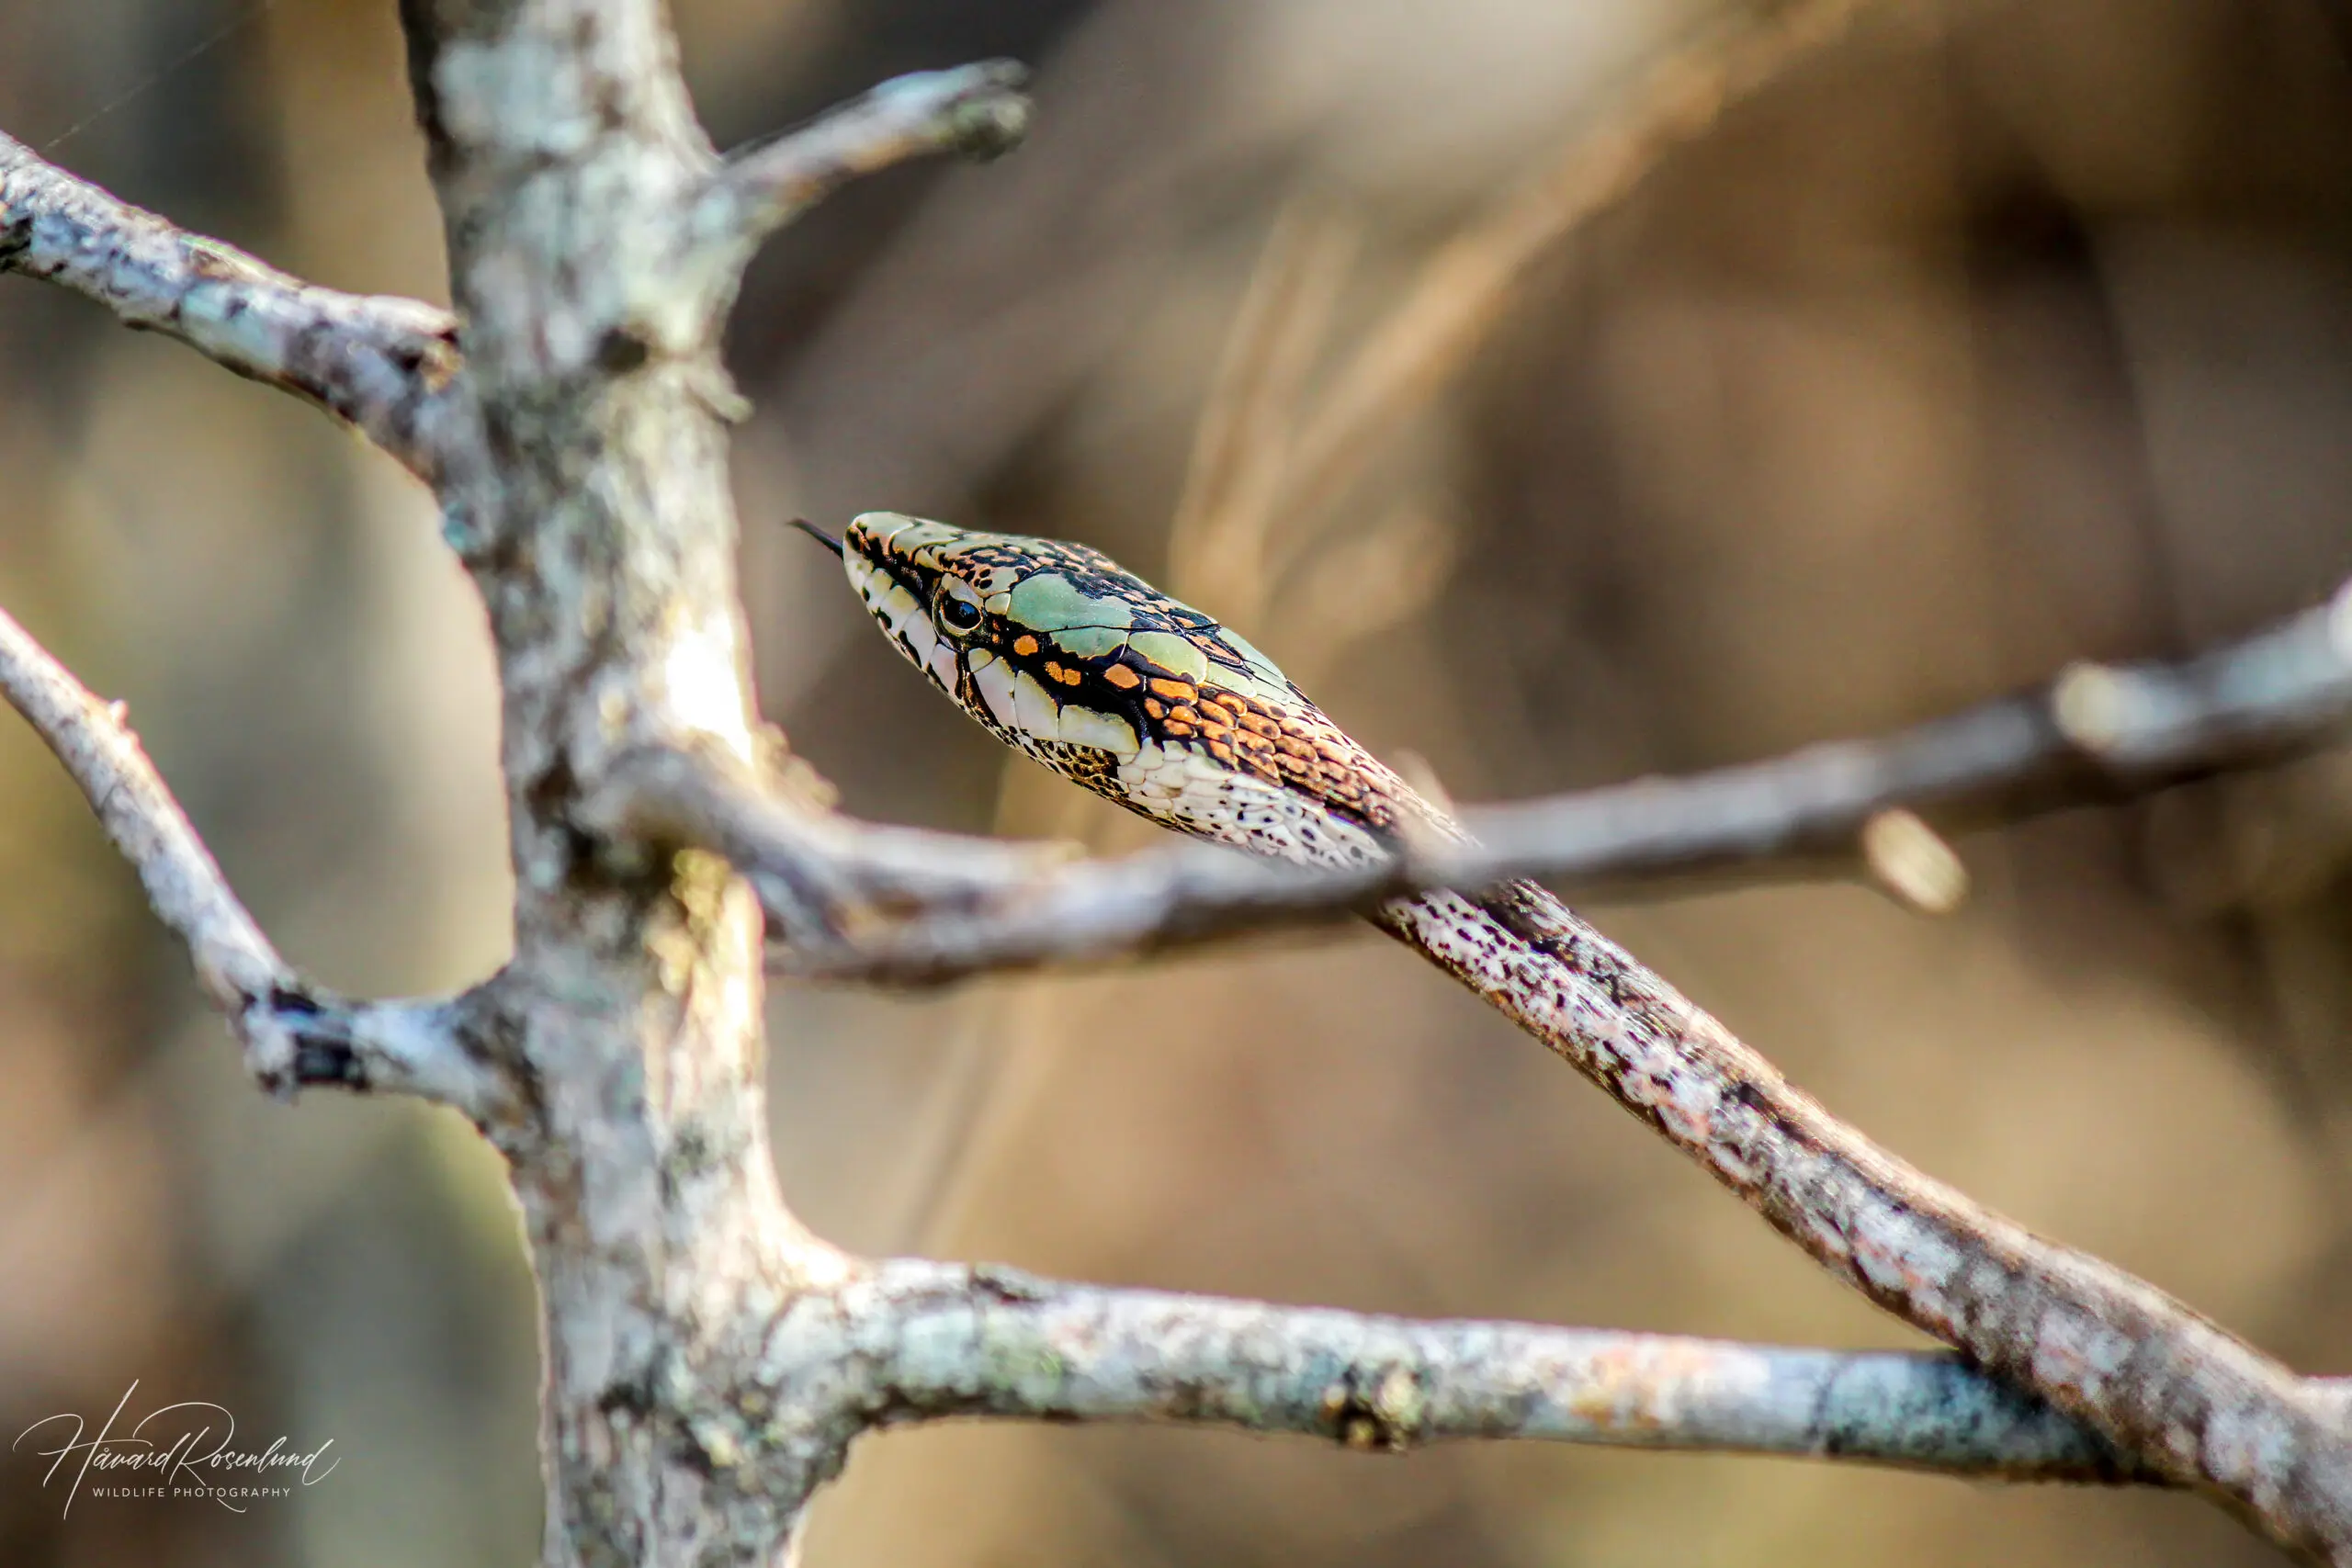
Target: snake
x: 1062, y: 654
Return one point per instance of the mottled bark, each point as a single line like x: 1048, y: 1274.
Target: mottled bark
x: 387, y: 365
x: 915, y: 1341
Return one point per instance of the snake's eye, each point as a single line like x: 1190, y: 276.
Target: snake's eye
x: 958, y: 615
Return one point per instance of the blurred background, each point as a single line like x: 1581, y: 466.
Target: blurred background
x: 1990, y: 337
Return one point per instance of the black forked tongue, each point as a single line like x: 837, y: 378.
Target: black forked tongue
x: 831, y: 541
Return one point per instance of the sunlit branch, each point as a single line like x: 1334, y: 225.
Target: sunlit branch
x: 924, y: 1341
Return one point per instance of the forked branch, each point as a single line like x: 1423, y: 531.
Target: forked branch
x: 823, y: 878
x: 294, y: 1034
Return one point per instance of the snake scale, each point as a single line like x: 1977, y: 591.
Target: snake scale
x: 1060, y: 654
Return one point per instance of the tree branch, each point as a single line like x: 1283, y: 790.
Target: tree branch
x: 932, y: 1340
x: 294, y: 1034
x: 820, y: 876
x: 2098, y: 733
x: 388, y: 366
x: 974, y: 110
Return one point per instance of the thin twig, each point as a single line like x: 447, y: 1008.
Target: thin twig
x: 388, y: 366
x: 974, y: 110
x: 293, y: 1034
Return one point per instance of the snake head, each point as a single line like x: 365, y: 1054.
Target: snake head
x: 1060, y: 652
x: 1044, y: 641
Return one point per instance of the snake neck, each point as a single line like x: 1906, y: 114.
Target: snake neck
x: 1277, y: 779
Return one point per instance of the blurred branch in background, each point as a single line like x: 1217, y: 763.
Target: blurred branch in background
x: 1465, y: 290
x: 1269, y: 460
x: 1229, y: 520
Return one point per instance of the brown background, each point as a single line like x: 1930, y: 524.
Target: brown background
x: 2008, y: 335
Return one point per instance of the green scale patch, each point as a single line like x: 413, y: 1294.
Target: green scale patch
x: 1086, y: 613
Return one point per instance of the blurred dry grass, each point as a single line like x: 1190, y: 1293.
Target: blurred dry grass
x: 1970, y: 348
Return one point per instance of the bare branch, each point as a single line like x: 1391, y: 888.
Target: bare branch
x: 932, y: 1340
x: 974, y: 110
x: 820, y: 876
x: 1095, y: 911
x: 293, y: 1034
x: 2096, y: 733
x: 388, y: 366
